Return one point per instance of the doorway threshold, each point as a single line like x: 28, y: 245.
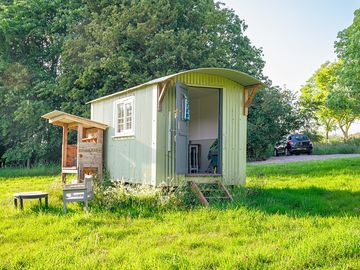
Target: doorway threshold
x: 203, y: 175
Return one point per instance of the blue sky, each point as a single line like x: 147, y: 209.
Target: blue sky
x: 296, y: 36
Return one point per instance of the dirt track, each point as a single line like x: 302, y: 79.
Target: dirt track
x: 285, y: 159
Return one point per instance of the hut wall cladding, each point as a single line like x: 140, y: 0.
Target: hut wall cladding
x: 89, y: 154
x: 234, y: 125
x: 71, y: 155
x: 128, y: 158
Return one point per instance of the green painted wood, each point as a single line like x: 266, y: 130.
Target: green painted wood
x: 133, y: 160
x: 128, y: 158
x: 234, y: 125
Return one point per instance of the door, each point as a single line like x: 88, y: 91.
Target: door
x: 182, y: 127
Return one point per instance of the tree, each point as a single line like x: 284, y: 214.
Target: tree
x: 314, y: 95
x: 60, y: 54
x: 273, y: 114
x: 31, y: 36
x: 126, y: 43
x: 348, y: 49
x: 344, y: 107
x: 344, y: 102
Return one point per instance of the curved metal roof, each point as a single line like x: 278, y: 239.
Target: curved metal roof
x: 234, y: 75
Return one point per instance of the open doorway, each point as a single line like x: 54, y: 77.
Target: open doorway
x: 204, y: 129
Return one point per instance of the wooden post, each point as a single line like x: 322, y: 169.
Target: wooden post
x: 64, y: 151
x: 21, y: 203
x: 198, y: 193
x: 246, y: 97
x: 100, y: 140
x: 161, y: 93
x: 79, y: 141
x: 249, y: 98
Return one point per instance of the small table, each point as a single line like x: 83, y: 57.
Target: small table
x: 30, y: 195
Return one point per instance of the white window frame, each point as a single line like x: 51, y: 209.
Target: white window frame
x: 125, y: 132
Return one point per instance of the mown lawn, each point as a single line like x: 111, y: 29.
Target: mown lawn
x: 290, y: 216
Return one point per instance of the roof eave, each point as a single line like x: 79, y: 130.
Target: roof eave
x: 246, y: 78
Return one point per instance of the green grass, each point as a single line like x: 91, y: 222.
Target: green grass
x: 290, y: 216
x: 34, y: 171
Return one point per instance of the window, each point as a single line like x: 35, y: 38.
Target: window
x: 124, y: 116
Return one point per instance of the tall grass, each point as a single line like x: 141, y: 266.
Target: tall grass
x: 351, y: 146
x: 39, y: 170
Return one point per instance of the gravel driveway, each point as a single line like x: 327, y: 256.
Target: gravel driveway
x: 285, y: 159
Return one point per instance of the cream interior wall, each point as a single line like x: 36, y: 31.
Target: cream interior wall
x: 204, y: 112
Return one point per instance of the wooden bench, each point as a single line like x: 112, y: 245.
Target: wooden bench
x: 28, y: 196
x: 82, y: 192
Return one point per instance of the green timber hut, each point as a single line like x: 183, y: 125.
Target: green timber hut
x: 187, y: 126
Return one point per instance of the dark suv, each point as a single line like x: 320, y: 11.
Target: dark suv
x: 294, y: 144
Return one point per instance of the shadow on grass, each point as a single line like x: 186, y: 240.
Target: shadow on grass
x: 298, y: 202
x: 50, y: 209
x: 311, y: 201
x: 321, y: 168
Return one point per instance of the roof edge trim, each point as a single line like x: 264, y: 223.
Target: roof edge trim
x: 243, y: 79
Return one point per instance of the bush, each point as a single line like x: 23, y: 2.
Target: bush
x: 139, y: 200
x: 273, y: 114
x: 350, y: 147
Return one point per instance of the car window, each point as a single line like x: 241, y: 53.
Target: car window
x: 300, y: 137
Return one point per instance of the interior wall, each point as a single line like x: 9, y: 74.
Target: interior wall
x: 204, y: 113
x: 204, y: 121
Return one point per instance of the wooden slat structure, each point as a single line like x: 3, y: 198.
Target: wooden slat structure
x: 86, y: 156
x: 211, y: 191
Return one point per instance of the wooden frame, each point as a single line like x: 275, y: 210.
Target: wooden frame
x: 126, y: 132
x: 162, y: 87
x: 89, y: 149
x: 249, y: 94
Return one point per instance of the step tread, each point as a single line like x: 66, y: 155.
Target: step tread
x: 217, y: 197
x: 200, y: 189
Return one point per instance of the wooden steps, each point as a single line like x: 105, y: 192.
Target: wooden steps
x: 213, y: 191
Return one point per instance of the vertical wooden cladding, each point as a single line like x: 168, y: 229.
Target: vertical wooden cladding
x: 233, y: 129
x: 133, y: 158
x: 90, y: 151
x: 234, y: 135
x: 64, y: 145
x: 128, y: 158
x: 71, y: 158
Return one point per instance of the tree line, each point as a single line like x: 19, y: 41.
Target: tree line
x: 60, y: 54
x: 331, y: 96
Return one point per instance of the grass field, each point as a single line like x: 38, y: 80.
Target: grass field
x: 289, y: 216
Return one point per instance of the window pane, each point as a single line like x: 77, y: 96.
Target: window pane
x: 120, y: 127
x: 121, y: 118
x: 120, y: 110
x: 128, y: 108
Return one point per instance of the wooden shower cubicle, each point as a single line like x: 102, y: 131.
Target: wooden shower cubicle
x: 86, y: 156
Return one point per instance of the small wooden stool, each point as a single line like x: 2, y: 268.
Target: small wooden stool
x: 28, y: 196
